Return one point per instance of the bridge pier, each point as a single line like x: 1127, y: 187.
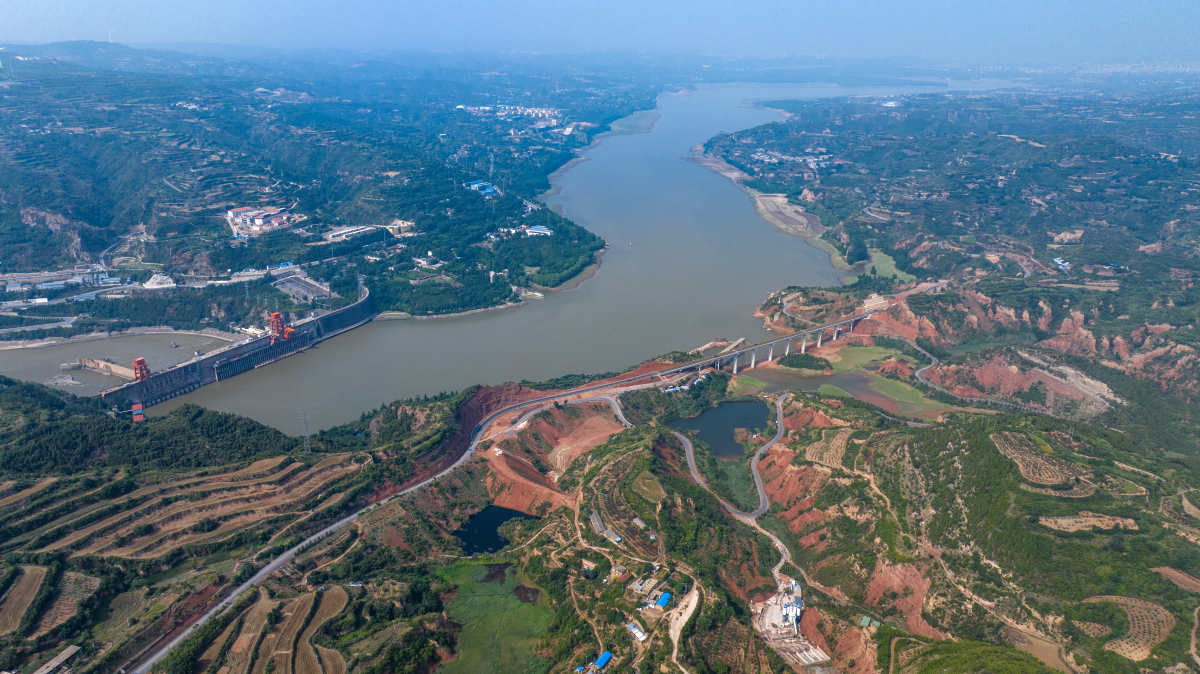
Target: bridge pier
x: 771, y: 353
x: 735, y: 360
x: 753, y: 355
x: 836, y: 331
x: 820, y: 336
x: 788, y: 348
x: 804, y: 344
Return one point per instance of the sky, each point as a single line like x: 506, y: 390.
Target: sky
x: 995, y: 32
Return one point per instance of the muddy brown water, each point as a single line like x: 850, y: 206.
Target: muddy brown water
x: 689, y: 259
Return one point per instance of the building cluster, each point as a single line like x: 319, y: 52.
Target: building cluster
x: 249, y: 221
x: 598, y: 526
x: 525, y: 230
x: 344, y: 233
x: 773, y: 157
x: 97, y: 280
x: 487, y: 189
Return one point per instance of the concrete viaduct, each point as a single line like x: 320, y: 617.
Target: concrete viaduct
x: 733, y: 356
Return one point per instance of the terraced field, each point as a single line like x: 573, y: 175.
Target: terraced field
x: 829, y: 450
x: 19, y: 598
x: 1087, y: 520
x: 1093, y: 630
x: 73, y: 588
x: 1035, y: 466
x: 1149, y: 625
x: 332, y: 603
x: 158, y: 518
x: 283, y: 655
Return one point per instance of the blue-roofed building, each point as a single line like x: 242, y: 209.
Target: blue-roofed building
x: 603, y: 659
x: 662, y: 601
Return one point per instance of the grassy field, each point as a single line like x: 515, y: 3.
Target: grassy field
x: 744, y: 385
x: 886, y: 266
x: 647, y: 486
x: 854, y: 358
x: 831, y: 390
x: 499, y: 630
x: 911, y: 402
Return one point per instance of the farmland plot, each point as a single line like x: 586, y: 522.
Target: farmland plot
x: 1093, y: 630
x: 1183, y: 580
x: 290, y: 630
x: 238, y: 657
x: 828, y: 451
x: 74, y: 588
x: 332, y: 661
x: 1087, y: 520
x: 1035, y: 466
x: 19, y: 597
x: 332, y: 603
x: 1149, y: 625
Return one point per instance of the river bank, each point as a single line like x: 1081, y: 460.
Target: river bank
x: 774, y: 209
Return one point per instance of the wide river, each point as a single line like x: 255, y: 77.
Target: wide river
x: 688, y: 261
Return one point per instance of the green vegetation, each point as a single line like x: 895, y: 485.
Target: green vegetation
x: 499, y: 630
x: 805, y: 361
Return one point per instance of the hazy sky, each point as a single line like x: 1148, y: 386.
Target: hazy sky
x: 979, y: 31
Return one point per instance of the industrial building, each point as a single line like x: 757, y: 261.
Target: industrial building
x: 636, y: 630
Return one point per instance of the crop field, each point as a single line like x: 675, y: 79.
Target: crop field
x: 73, y: 588
x: 1087, y: 520
x: 1035, y: 466
x: 20, y: 496
x: 282, y: 654
x: 1093, y: 630
x: 829, y: 450
x: 1149, y: 625
x: 1082, y: 490
x: 240, y: 651
x: 331, y: 661
x: 156, y: 519
x: 647, y: 486
x: 19, y: 597
x: 332, y: 603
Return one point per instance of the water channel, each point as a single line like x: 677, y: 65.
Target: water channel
x: 481, y: 533
x: 688, y: 261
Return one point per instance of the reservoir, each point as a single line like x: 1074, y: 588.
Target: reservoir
x: 688, y: 262
x: 715, y: 426
x: 481, y: 533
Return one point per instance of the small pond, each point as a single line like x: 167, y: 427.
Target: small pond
x: 481, y: 533
x: 716, y: 425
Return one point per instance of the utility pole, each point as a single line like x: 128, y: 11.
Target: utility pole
x: 304, y: 420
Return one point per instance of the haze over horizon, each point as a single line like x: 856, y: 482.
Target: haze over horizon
x: 1021, y: 32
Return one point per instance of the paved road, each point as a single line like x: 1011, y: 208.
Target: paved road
x: 933, y: 361
x: 763, y: 503
x: 477, y: 432
x: 41, y: 326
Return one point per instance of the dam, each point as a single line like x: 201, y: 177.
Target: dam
x: 239, y: 357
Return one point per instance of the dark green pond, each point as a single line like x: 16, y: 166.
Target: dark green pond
x: 481, y: 533
x: 715, y: 425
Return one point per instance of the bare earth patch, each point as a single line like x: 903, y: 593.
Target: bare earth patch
x: 1088, y: 520
x: 1183, y: 580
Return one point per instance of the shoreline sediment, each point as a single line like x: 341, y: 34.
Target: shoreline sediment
x: 737, y: 176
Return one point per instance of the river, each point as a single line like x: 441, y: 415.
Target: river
x: 688, y: 261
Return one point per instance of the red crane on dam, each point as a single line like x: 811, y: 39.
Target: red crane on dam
x: 140, y: 369
x: 279, y: 328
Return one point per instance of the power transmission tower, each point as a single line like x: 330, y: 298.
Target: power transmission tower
x: 247, y: 290
x: 304, y: 420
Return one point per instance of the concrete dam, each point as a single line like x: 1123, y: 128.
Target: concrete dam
x: 240, y: 357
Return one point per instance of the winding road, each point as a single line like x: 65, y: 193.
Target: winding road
x: 763, y: 503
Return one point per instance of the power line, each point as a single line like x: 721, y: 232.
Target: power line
x: 304, y: 420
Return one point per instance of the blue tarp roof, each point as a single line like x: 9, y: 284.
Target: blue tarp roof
x: 662, y: 601
x: 603, y: 659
